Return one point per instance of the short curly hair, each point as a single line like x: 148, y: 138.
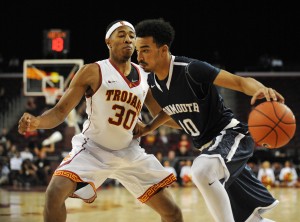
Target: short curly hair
x: 160, y: 30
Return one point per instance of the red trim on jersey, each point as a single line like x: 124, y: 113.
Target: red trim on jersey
x: 130, y: 84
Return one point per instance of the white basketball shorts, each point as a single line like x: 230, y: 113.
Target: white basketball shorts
x: 90, y: 165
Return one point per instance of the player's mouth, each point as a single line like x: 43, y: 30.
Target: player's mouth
x: 142, y: 64
x: 128, y: 48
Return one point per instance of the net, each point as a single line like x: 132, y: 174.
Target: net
x: 51, y: 94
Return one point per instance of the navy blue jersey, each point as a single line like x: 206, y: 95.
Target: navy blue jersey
x: 189, y: 96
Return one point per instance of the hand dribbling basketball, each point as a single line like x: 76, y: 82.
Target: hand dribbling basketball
x: 269, y: 94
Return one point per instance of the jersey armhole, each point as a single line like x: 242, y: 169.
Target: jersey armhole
x: 89, y: 93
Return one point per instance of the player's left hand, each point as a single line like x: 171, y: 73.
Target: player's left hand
x: 268, y: 93
x: 140, y: 129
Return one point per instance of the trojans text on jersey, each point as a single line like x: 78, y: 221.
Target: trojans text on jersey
x: 124, y: 96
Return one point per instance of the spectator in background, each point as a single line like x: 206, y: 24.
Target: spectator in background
x: 28, y: 176
x: 276, y: 63
x: 171, y: 157
x: 176, y: 163
x: 11, y: 149
x: 26, y: 154
x: 163, y: 141
x: 186, y: 173
x: 159, y: 156
x: 15, y: 168
x: 288, y: 175
x: 72, y: 128
x: 276, y: 166
x: 266, y: 174
x: 43, y: 168
x: 4, y: 173
x: 72, y: 121
x: 182, y: 155
x: 31, y: 105
x: 184, y: 141
x: 183, y: 152
x: 39, y: 148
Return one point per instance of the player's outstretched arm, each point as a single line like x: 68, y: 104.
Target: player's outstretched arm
x: 86, y: 77
x: 247, y: 85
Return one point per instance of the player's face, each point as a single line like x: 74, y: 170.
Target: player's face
x: 122, y: 43
x: 148, y: 54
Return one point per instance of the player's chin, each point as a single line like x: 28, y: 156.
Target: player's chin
x: 127, y: 55
x: 144, y: 67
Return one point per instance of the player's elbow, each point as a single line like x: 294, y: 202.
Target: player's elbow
x: 61, y: 113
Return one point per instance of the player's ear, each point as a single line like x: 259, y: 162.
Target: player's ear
x: 165, y: 49
x: 108, y: 43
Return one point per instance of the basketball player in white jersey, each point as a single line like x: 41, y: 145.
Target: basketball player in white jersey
x: 115, y: 91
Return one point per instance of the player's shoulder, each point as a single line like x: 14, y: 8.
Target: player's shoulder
x: 90, y: 68
x: 182, y: 60
x: 197, y: 65
x: 188, y: 61
x: 88, y: 72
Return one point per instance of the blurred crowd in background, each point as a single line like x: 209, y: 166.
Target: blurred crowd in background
x: 26, y: 162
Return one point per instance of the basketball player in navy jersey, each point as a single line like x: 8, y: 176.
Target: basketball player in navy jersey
x: 186, y: 90
x: 115, y: 91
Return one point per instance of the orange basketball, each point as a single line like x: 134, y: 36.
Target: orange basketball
x: 272, y: 124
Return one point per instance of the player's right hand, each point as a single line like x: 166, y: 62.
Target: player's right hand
x: 269, y: 94
x: 27, y: 123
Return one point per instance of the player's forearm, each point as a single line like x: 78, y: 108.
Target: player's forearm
x: 250, y: 86
x: 51, y: 118
x: 159, y: 120
x: 171, y: 123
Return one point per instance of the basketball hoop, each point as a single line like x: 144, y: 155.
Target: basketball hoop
x: 51, y: 94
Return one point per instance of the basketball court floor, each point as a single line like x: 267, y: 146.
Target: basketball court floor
x: 116, y: 204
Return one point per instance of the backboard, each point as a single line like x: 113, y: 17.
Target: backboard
x: 48, y: 73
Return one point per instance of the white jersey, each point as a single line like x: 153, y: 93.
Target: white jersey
x: 113, y: 110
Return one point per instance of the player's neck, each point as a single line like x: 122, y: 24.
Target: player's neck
x: 163, y: 68
x: 123, y: 67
